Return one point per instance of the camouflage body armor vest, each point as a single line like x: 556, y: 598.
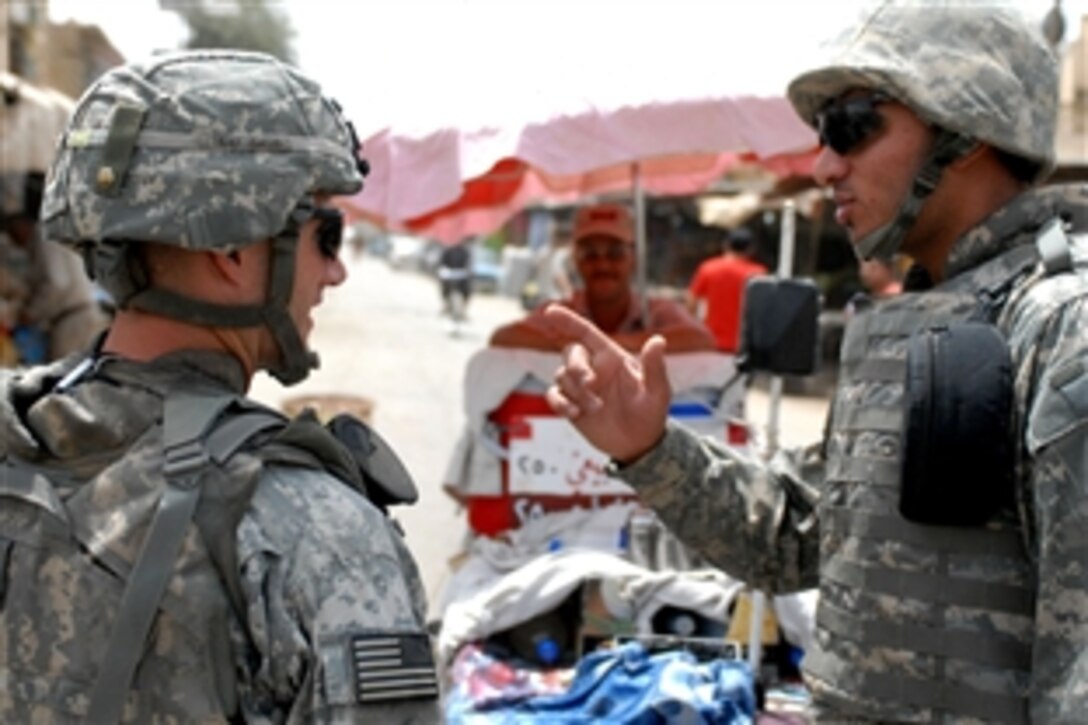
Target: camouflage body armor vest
x: 56, y: 526
x: 91, y: 529
x: 939, y: 618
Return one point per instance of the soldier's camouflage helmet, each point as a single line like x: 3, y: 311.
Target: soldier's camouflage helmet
x: 204, y: 150
x: 980, y: 71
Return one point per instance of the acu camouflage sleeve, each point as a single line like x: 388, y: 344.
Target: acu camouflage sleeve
x: 1057, y: 443
x: 326, y: 573
x: 754, y: 520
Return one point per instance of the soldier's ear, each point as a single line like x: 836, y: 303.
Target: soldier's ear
x: 239, y: 267
x: 227, y: 265
x: 972, y: 157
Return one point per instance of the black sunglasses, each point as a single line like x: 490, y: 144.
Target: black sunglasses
x: 330, y: 231
x: 845, y: 123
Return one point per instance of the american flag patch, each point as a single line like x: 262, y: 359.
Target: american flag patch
x: 393, y: 667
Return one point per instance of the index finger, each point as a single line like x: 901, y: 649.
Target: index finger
x: 572, y: 327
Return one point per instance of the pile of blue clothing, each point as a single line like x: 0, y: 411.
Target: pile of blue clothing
x: 629, y: 685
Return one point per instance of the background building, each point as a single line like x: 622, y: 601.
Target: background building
x: 1072, y: 141
x: 66, y: 57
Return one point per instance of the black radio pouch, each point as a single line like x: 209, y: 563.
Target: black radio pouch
x: 959, y: 446
x: 385, y: 478
x: 958, y: 453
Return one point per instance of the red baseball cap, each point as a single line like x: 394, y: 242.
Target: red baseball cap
x: 609, y: 220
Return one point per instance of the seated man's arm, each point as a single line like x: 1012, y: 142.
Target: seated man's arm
x: 530, y: 333
x: 682, y: 332
x: 528, y: 336
x: 678, y: 338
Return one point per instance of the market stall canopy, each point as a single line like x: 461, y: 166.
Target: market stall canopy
x: 453, y: 182
x: 494, y: 106
x: 733, y: 210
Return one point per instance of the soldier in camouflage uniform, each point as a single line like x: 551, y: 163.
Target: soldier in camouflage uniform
x: 197, y: 187
x: 937, y: 125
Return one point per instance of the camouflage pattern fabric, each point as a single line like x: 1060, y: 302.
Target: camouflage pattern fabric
x: 974, y: 69
x: 240, y: 137
x: 772, y: 524
x: 320, y: 568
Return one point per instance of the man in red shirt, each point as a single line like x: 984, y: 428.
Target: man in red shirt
x: 719, y: 283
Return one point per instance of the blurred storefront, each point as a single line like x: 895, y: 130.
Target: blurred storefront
x: 1072, y: 139
x: 66, y: 57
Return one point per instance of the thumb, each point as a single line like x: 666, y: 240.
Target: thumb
x: 652, y: 358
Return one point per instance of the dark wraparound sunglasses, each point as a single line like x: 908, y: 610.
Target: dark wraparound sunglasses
x: 845, y: 123
x: 330, y: 231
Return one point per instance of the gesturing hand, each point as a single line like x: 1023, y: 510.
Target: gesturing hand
x: 616, y: 400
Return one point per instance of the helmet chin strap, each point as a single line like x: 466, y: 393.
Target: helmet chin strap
x: 884, y: 241
x: 296, y: 360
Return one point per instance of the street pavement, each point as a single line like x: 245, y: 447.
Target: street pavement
x: 381, y: 337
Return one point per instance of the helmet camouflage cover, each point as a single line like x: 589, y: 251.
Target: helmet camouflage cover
x: 978, y: 71
x: 201, y: 149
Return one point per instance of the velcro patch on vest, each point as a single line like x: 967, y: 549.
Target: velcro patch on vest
x: 392, y: 667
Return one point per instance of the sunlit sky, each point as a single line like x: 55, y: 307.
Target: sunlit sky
x: 420, y: 62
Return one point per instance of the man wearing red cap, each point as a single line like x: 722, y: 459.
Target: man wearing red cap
x: 604, y: 255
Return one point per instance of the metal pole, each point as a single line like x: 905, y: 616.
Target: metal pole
x: 640, y: 242
x: 785, y: 271
x: 755, y: 631
x: 785, y: 256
